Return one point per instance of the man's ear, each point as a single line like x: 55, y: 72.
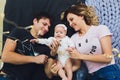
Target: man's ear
x: 35, y: 20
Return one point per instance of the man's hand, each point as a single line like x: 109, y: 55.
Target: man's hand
x: 34, y: 41
x: 41, y: 59
x: 55, y: 68
x: 54, y: 46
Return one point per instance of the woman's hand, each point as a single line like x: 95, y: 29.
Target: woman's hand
x: 74, y: 54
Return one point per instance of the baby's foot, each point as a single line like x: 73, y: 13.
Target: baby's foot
x: 64, y: 79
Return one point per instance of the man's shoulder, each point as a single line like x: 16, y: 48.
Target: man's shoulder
x: 19, y: 30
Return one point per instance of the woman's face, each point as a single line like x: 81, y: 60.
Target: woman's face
x: 42, y: 26
x: 75, y: 21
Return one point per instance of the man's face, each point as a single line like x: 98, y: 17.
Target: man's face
x: 41, y: 26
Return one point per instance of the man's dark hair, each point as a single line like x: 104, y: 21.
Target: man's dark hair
x: 41, y: 15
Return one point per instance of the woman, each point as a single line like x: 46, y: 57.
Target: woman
x: 93, y: 43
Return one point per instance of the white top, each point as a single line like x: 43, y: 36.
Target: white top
x: 90, y: 44
x: 65, y: 42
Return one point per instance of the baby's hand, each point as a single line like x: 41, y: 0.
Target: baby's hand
x: 34, y: 41
x: 74, y: 54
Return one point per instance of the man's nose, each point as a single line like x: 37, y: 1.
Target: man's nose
x: 70, y: 23
x: 46, y: 28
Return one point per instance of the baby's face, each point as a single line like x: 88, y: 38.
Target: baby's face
x: 59, y: 33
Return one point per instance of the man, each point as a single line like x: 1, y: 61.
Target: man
x: 22, y: 59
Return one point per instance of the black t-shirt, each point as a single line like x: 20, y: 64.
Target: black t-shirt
x: 29, y: 71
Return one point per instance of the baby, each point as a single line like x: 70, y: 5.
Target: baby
x: 63, y: 56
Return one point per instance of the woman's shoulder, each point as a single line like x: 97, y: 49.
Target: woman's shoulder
x: 101, y: 27
x: 75, y: 34
x: 103, y: 30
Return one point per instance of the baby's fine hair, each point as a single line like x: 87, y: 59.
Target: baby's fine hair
x: 62, y: 25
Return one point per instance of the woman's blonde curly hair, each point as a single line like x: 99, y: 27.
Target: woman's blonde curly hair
x: 81, y: 9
